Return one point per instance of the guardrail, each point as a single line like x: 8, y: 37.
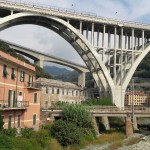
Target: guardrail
x: 108, y: 108
x: 68, y: 11
x: 16, y: 104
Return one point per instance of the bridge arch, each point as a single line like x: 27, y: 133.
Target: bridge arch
x: 70, y: 34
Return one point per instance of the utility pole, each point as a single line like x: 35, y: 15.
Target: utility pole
x: 133, y: 101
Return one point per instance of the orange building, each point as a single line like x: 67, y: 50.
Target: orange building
x: 19, y: 98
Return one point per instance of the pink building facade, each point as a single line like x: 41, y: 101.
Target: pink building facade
x: 19, y: 98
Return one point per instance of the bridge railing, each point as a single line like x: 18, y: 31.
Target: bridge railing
x: 69, y: 11
x: 108, y: 108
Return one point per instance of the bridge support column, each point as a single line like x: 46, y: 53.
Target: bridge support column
x: 105, y: 122
x: 129, y: 128
x: 118, y: 96
x: 96, y: 126
x: 39, y: 63
x: 81, y: 79
x: 135, y: 123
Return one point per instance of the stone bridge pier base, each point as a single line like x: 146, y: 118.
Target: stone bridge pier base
x: 105, y: 122
x: 129, y: 128
x: 81, y: 79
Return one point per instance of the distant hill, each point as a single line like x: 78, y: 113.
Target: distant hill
x: 67, y: 75
x: 62, y: 73
x: 55, y: 71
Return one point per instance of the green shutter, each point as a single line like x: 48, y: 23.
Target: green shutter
x: 14, y: 99
x: 34, y: 119
x: 35, y: 97
x: 9, y: 121
x: 9, y: 94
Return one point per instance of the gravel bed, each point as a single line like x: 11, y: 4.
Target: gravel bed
x: 144, y: 144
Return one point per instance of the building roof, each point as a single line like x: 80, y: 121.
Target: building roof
x: 16, y: 61
x: 140, y: 93
x: 56, y: 83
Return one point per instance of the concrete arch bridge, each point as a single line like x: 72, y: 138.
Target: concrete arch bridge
x: 111, y: 49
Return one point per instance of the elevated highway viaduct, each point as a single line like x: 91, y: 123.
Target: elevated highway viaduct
x: 39, y: 59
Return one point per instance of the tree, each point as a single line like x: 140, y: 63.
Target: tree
x: 42, y: 137
x: 78, y: 115
x: 66, y: 133
x: 1, y: 122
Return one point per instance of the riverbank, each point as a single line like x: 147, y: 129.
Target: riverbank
x: 134, y: 142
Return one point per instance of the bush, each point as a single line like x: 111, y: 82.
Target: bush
x: 1, y: 122
x: 78, y: 115
x: 27, y: 132
x: 101, y: 102
x: 42, y: 137
x: 10, y: 132
x: 54, y: 145
x: 5, y: 142
x: 66, y: 133
x: 20, y: 143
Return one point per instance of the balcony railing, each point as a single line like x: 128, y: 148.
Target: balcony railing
x: 5, y: 104
x: 31, y: 85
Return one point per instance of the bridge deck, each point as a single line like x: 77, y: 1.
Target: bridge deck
x: 68, y: 14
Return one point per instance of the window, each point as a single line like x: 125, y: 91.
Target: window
x: 13, y: 73
x: 5, y: 70
x: 57, y: 91
x: 19, y: 118
x: 34, y: 119
x: 35, y: 97
x: 29, y: 80
x: 52, y: 90
x: 46, y: 90
x: 9, y: 121
x: 63, y: 92
x: 22, y: 76
x: 76, y: 93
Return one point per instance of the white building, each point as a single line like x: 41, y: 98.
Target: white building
x: 54, y: 90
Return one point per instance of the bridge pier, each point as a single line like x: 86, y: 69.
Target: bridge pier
x: 81, y: 79
x: 95, y: 124
x: 135, y: 123
x: 105, y: 122
x: 118, y: 96
x: 39, y: 63
x: 129, y: 128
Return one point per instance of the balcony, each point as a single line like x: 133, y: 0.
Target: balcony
x: 6, y: 105
x: 31, y: 85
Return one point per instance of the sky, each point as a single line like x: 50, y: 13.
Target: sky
x: 45, y: 40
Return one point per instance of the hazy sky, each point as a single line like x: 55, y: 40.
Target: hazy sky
x: 45, y: 40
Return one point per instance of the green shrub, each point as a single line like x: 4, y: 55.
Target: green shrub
x: 66, y: 133
x: 27, y: 132
x: 1, y: 122
x: 5, y: 142
x: 42, y: 137
x: 20, y: 143
x: 78, y: 115
x: 10, y: 132
x: 105, y: 101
